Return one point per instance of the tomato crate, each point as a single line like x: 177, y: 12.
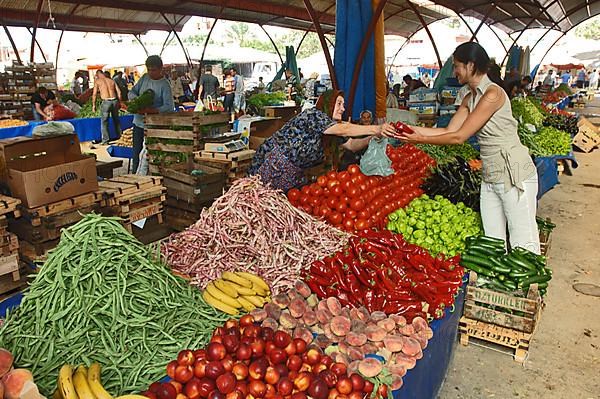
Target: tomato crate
x: 503, y: 309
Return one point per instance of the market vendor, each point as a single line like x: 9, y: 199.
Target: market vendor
x: 163, y: 101
x: 39, y: 101
x: 298, y: 145
x: 510, y: 182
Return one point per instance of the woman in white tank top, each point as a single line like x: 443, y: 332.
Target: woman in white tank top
x: 509, y: 188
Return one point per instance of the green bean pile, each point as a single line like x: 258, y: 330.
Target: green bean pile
x: 100, y: 297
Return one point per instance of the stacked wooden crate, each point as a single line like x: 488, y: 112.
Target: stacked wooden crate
x: 21, y: 84
x: 39, y: 228
x: 9, y: 106
x: 172, y: 138
x: 235, y: 165
x: 133, y: 198
x: 10, y: 273
x: 45, y: 75
x: 171, y: 141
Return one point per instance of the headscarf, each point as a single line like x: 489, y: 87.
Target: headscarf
x: 326, y: 102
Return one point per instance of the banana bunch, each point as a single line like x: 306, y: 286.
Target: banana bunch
x: 237, y: 290
x: 82, y: 384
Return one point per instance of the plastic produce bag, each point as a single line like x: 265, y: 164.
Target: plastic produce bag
x: 142, y: 169
x: 53, y: 129
x: 375, y: 161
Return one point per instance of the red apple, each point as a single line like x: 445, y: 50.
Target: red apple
x: 244, y: 352
x: 171, y: 366
x: 240, y: 370
x: 282, y: 339
x: 185, y: 358
x: 272, y: 376
x: 215, y: 351
x: 183, y: 374
x: 285, y: 386
x: 200, y: 368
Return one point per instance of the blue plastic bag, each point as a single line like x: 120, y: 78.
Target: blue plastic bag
x: 375, y: 161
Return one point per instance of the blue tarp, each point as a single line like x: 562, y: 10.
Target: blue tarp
x: 87, y: 129
x: 352, y: 20
x: 120, y: 152
x: 547, y: 169
x: 426, y: 379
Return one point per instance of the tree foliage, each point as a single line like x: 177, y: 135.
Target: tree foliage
x: 589, y: 29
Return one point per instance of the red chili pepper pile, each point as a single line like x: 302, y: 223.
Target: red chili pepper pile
x: 381, y: 271
x: 353, y: 201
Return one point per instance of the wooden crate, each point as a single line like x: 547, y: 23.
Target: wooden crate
x: 36, y: 215
x: 36, y: 253
x: 494, y: 307
x: 9, y: 205
x: 482, y: 332
x: 171, y: 137
x: 10, y: 265
x: 237, y: 156
x: 586, y: 140
x: 8, y: 285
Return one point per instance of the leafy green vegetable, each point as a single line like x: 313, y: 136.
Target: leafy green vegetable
x: 145, y: 100
x: 258, y: 101
x: 448, y: 153
x: 525, y: 111
x: 87, y: 112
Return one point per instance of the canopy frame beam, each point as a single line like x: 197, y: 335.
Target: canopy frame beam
x: 322, y: 39
x: 12, y: 43
x: 37, y: 23
x: 273, y: 43
x: 426, y: 27
x: 185, y: 53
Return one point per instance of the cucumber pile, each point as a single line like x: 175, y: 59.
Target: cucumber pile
x: 513, y: 272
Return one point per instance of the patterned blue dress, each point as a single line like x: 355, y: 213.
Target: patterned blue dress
x: 298, y: 145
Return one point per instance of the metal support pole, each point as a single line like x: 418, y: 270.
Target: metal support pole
x: 57, y: 52
x: 317, y: 24
x: 485, y: 17
x: 464, y: 21
x: 141, y: 43
x: 550, y: 48
x: 38, y: 45
x: 426, y: 27
x: 185, y: 54
x: 12, y: 43
x: 273, y: 43
x: 301, y: 41
x: 499, y: 38
x: 37, y: 22
x: 361, y: 53
x: 165, y: 43
x: 400, y: 49
x: 210, y: 33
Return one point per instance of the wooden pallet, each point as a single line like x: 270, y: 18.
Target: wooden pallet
x: 193, y: 119
x: 498, y: 308
x: 10, y: 244
x: 475, y: 330
x: 236, y: 156
x: 33, y: 253
x: 144, y: 213
x: 9, y: 286
x: 9, y: 205
x: 10, y: 265
x: 61, y: 207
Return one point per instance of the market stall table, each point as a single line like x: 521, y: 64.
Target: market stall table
x: 87, y: 129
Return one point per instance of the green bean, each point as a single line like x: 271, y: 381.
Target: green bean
x: 103, y: 296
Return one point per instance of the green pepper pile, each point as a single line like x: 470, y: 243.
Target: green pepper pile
x: 550, y: 141
x: 513, y: 272
x: 436, y: 224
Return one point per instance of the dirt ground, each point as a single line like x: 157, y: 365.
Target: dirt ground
x: 564, y: 355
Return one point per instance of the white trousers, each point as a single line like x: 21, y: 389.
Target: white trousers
x: 516, y: 208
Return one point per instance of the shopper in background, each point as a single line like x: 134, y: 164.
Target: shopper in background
x: 426, y: 79
x: 261, y: 85
x: 122, y: 85
x: 76, y: 84
x: 580, y: 78
x: 509, y: 188
x: 163, y: 101
x: 396, y: 91
x: 40, y: 100
x: 549, y: 79
x: 229, y: 92
x: 207, y: 84
x: 594, y: 80
x: 110, y: 94
x: 411, y: 85
x: 526, y: 85
x: 239, y: 98
x: 85, y: 81
x: 176, y: 87
x: 565, y: 77
x: 391, y: 100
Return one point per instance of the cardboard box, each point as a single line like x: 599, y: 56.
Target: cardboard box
x: 424, y: 108
x: 50, y: 169
x: 423, y: 95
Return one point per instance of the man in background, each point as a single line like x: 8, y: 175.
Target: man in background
x: 177, y: 87
x: 565, y: 78
x: 76, y: 84
x: 207, y: 84
x: 122, y: 85
x: 549, y: 79
x: 594, y: 80
x: 40, y: 100
x: 261, y: 85
x: 163, y: 101
x: 411, y: 85
x: 110, y: 94
x: 239, y: 100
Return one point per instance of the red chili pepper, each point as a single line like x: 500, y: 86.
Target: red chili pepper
x: 369, y: 300
x: 383, y: 279
x: 353, y: 285
x: 401, y: 307
x: 322, y: 281
x: 358, y: 271
x: 318, y: 267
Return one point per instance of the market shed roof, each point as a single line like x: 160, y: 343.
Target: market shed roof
x: 138, y: 16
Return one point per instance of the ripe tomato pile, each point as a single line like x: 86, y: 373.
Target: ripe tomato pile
x: 353, y: 201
